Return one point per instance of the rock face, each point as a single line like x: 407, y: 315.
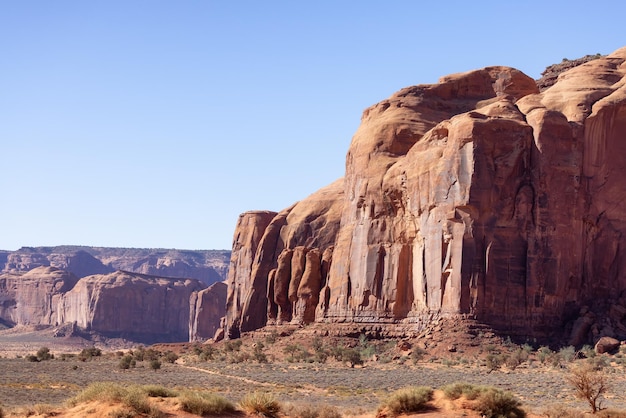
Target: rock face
x: 121, y: 304
x: 476, y: 196
x: 33, y: 298
x: 208, y: 266
x: 131, y: 305
x: 207, y: 308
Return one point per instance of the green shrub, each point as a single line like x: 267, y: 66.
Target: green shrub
x: 232, y: 345
x: 205, y: 403
x: 456, y: 390
x: 88, y: 353
x: 567, y: 354
x: 261, y: 403
x: 408, y: 400
x: 494, y: 361
x: 157, y: 391
x: 496, y: 403
x: 127, y: 362
x: 417, y: 355
x: 44, y: 354
x: 171, y: 357
x: 155, y: 365
x: 309, y: 411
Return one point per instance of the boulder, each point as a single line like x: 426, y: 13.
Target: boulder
x: 606, y: 345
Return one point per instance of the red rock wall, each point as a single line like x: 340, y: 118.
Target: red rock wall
x: 477, y: 195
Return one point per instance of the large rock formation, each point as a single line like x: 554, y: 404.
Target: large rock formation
x: 121, y: 304
x: 208, y: 266
x: 33, y: 298
x: 207, y: 308
x: 477, y: 196
x: 131, y: 305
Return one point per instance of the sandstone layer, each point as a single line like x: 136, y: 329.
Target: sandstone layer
x: 478, y: 195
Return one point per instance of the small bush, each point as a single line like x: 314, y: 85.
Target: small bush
x: 127, y: 362
x: 456, y: 390
x: 408, y: 400
x: 204, y: 403
x: 559, y: 411
x: 309, y: 411
x: 32, y: 358
x: 155, y: 365
x: 88, y: 353
x: 157, y: 391
x: 44, y: 354
x: 494, y: 361
x: 171, y: 357
x: 590, y: 385
x: 232, y: 345
x: 417, y: 355
x: 496, y: 403
x: 261, y: 403
x: 567, y: 354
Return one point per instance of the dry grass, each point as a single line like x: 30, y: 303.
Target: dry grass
x: 261, y: 403
x: 204, y: 403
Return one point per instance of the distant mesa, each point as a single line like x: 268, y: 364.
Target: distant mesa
x: 93, y: 290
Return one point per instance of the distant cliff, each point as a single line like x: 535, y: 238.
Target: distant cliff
x: 208, y: 266
x: 143, y: 295
x: 479, y: 195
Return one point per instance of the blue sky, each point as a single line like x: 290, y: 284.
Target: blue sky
x: 156, y: 123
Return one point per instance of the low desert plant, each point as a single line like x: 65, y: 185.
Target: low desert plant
x: 590, y: 385
x: 496, y: 403
x: 456, y: 390
x: 408, y: 400
x: 567, y: 354
x: 155, y: 365
x: 127, y: 362
x: 261, y: 403
x: 204, y: 403
x: 90, y: 352
x: 170, y: 357
x: 157, y: 391
x: 417, y: 354
x: 310, y: 411
x: 559, y: 411
x: 44, y: 354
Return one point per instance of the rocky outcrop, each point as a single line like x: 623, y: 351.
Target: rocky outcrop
x: 274, y: 245
x: 476, y: 196
x: 131, y: 305
x: 121, y: 304
x: 33, y: 298
x: 207, y: 308
x: 208, y: 266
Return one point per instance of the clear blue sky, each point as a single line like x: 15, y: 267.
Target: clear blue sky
x: 156, y: 123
